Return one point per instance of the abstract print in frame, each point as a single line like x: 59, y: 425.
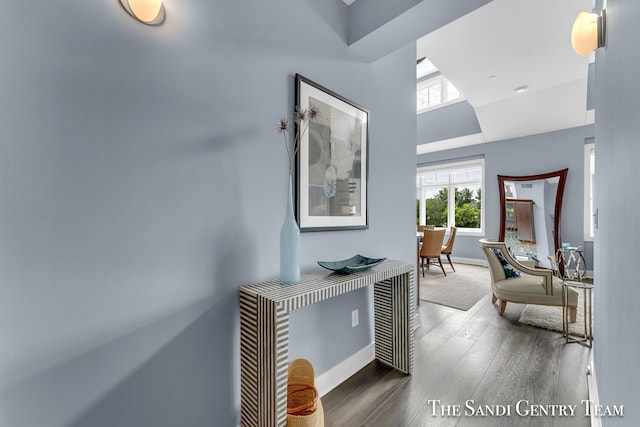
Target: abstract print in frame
x: 332, y: 161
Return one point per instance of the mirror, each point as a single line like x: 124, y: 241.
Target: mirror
x: 530, y: 208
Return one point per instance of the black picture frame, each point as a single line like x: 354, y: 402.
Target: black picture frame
x: 332, y: 162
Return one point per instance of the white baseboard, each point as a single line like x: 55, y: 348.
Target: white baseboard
x: 472, y: 261
x: 345, y: 369
x: 592, y: 385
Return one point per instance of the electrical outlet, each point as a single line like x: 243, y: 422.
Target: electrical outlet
x: 354, y: 318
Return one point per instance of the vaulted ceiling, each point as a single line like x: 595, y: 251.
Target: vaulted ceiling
x: 510, y: 44
x: 506, y: 44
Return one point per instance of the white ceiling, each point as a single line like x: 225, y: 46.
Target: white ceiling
x: 510, y: 43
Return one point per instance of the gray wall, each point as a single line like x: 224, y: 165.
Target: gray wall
x: 142, y: 182
x: 447, y: 122
x: 525, y: 156
x: 591, y: 83
x: 618, y: 201
x: 365, y: 17
x: 404, y: 28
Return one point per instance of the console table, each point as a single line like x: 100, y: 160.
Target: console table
x: 264, y: 330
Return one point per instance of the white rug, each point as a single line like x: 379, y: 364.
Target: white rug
x: 550, y: 317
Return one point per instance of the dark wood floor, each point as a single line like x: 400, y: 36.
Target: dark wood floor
x: 468, y: 355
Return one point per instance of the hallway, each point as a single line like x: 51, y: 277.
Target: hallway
x: 474, y: 362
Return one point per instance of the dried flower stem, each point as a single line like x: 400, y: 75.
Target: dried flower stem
x: 302, y: 120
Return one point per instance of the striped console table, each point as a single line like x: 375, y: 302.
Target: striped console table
x: 264, y: 330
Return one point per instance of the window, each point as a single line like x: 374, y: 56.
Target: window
x: 589, y: 186
x: 436, y: 92
x: 451, y: 195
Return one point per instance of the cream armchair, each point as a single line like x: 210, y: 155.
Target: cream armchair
x: 514, y: 282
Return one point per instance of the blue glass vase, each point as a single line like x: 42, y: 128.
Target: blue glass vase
x: 289, y: 244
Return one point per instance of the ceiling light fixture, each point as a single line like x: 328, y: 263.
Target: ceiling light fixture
x: 588, y: 32
x: 521, y: 89
x: 150, y: 12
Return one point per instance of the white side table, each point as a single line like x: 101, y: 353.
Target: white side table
x: 587, y: 288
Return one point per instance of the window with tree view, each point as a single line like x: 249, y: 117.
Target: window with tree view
x: 451, y: 195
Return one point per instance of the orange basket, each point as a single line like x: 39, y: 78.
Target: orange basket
x: 304, y: 407
x: 301, y: 398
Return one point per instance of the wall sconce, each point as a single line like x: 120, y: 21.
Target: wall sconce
x: 150, y: 12
x: 588, y: 32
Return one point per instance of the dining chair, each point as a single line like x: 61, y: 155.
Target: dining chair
x: 425, y: 227
x: 446, y: 249
x: 431, y: 248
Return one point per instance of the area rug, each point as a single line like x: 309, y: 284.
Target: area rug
x: 461, y: 289
x: 550, y: 317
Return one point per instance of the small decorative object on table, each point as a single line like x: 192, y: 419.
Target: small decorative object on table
x: 290, y: 232
x: 570, y: 263
x: 351, y: 265
x: 289, y: 245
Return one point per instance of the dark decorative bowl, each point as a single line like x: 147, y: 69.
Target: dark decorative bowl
x: 351, y: 265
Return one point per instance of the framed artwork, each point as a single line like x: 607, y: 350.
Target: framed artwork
x: 332, y: 164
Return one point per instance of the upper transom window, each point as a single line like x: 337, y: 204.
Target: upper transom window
x: 436, y: 92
